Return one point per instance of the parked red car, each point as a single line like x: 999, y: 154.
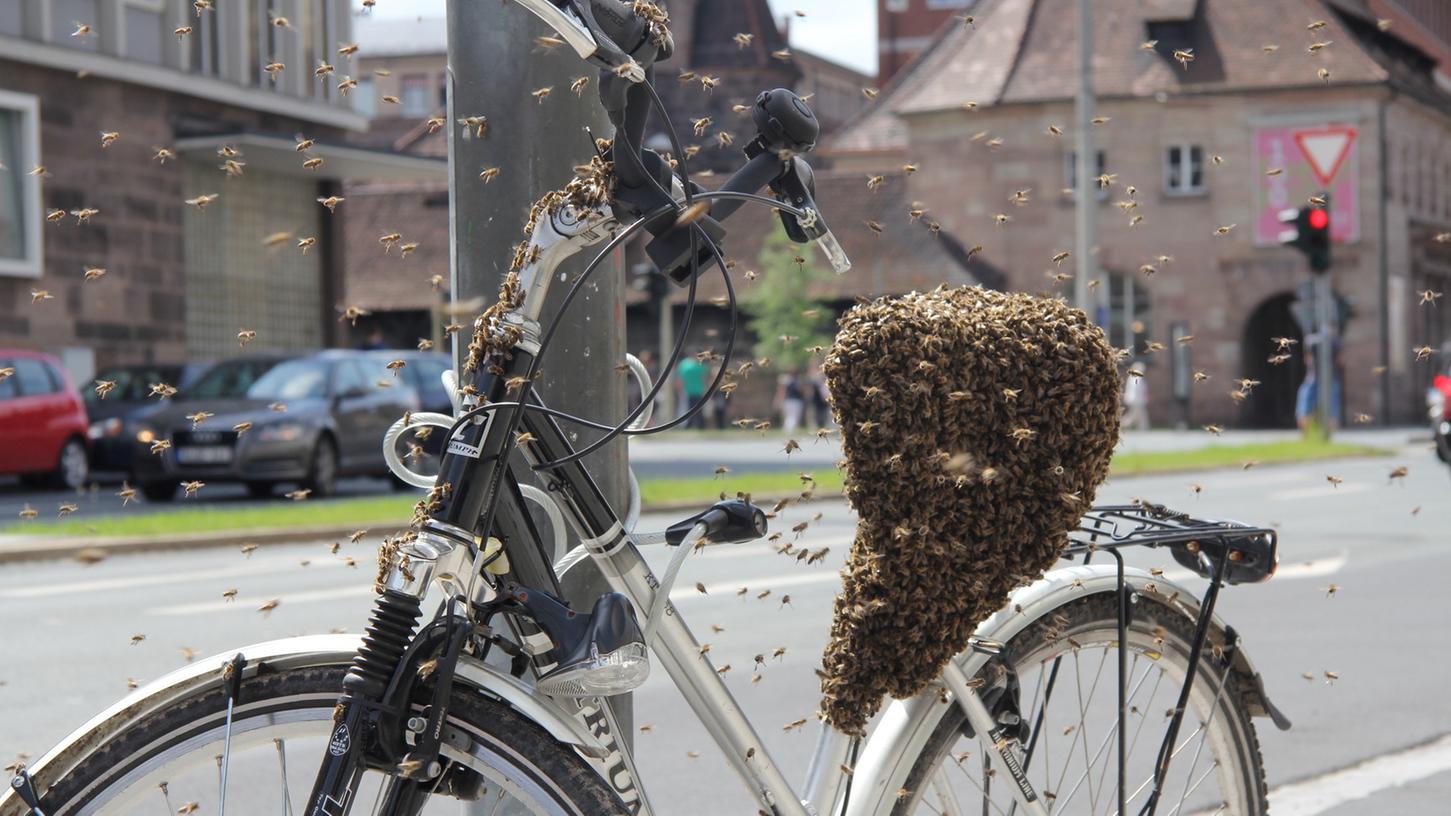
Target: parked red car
x: 42, y: 421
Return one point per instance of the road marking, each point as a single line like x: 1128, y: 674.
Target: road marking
x: 1319, y: 491
x: 257, y: 567
x: 1311, y: 796
x: 288, y: 600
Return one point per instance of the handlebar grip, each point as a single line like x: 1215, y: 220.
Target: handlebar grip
x: 755, y: 176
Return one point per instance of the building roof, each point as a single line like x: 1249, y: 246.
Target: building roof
x: 717, y: 22
x: 395, y: 37
x: 1022, y: 51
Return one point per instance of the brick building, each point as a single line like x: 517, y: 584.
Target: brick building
x: 180, y: 281
x: 1256, y: 122
x: 905, y: 28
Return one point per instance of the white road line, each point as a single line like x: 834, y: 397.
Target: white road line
x: 256, y: 567
x: 1324, y: 491
x: 1311, y: 796
x: 288, y: 600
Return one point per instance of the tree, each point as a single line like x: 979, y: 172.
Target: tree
x: 786, y: 320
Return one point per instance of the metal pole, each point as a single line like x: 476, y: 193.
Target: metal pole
x: 1324, y: 351
x: 662, y: 356
x: 494, y: 66
x: 1086, y: 212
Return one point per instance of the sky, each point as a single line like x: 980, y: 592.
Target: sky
x: 843, y: 30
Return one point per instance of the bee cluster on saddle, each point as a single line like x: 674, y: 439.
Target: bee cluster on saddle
x: 977, y: 426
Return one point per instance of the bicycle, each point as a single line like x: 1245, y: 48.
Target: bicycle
x: 428, y: 716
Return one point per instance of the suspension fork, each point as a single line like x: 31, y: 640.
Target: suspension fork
x: 472, y: 473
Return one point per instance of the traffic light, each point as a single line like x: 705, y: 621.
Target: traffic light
x: 1309, y: 231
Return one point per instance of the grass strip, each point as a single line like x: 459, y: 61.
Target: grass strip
x: 396, y: 510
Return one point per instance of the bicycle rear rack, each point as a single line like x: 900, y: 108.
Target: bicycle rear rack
x: 1249, y: 552
x: 1220, y: 551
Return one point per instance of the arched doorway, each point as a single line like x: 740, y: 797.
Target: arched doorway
x: 1271, y: 404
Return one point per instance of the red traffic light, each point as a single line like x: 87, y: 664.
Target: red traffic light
x: 1319, y: 219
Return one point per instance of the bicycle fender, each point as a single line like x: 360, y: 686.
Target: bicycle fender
x: 313, y: 651
x: 892, y: 747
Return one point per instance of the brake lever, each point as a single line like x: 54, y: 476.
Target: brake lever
x: 582, y: 33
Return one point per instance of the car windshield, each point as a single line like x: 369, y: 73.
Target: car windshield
x: 292, y: 380
x: 131, y: 383
x: 230, y: 379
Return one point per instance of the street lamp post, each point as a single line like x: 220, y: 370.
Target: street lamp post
x: 1085, y: 166
x: 493, y: 65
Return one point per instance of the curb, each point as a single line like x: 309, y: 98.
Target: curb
x: 20, y: 550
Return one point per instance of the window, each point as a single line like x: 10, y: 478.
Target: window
x: 292, y: 380
x: 147, y: 37
x: 350, y: 379
x: 365, y: 98
x: 65, y: 15
x: 897, y: 6
x: 228, y: 379
x: 33, y: 378
x: 20, y: 215
x: 415, y: 95
x: 1184, y: 170
x: 1128, y: 313
x: 7, y: 385
x: 1070, y: 168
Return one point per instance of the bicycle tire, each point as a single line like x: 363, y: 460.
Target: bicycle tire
x: 308, y: 695
x: 1153, y: 626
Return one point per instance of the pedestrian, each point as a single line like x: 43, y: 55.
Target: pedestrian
x: 1307, y: 398
x: 691, y: 373
x: 375, y: 342
x: 1136, y: 399
x: 820, y: 395
x: 791, y: 399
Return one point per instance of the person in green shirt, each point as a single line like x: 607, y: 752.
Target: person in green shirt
x: 692, y: 374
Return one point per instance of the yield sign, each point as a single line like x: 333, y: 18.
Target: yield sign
x: 1325, y: 149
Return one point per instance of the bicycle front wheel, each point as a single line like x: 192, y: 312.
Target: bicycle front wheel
x: 172, y: 760
x: 1067, y: 667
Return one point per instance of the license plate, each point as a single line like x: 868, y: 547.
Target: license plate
x: 204, y: 455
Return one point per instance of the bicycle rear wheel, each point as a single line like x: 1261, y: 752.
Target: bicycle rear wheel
x: 172, y: 760
x: 1067, y: 667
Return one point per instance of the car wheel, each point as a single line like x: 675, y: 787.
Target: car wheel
x: 322, y: 478
x: 74, y: 466
x: 260, y: 490
x: 163, y: 491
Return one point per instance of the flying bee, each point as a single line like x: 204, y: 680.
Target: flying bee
x: 541, y: 94
x: 162, y: 390
x: 390, y: 99
x: 94, y: 272
x: 273, y: 69
x: 305, y: 244
x: 127, y: 493
x: 709, y: 83
x: 1334, y: 481
x: 242, y: 427
x: 198, y: 418
x: 201, y: 201
x: 1400, y: 473
x: 298, y: 495
x: 743, y: 41
x: 55, y: 216
x: 1430, y: 297
x: 1323, y: 74
x: 160, y: 446
x: 489, y: 174
x: 405, y: 249
x: 181, y: 32
x: 1214, y: 429
x: 331, y: 202
x: 267, y: 607
x: 191, y: 488
x: 1423, y: 353
x: 1184, y: 56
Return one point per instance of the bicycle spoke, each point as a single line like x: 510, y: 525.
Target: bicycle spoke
x: 1213, y: 712
x: 986, y: 800
x: 1179, y: 807
x: 282, y: 763
x: 1128, y: 703
x: 1078, y: 730
x: 945, y: 796
x: 166, y: 797
x: 1175, y: 753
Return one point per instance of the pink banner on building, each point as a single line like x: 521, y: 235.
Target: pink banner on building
x: 1306, y: 157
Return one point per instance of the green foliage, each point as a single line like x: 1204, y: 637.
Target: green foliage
x: 779, y: 304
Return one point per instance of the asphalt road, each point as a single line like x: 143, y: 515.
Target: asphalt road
x: 675, y: 456
x: 68, y: 630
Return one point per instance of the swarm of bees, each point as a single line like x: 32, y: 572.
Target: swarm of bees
x: 923, y: 377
